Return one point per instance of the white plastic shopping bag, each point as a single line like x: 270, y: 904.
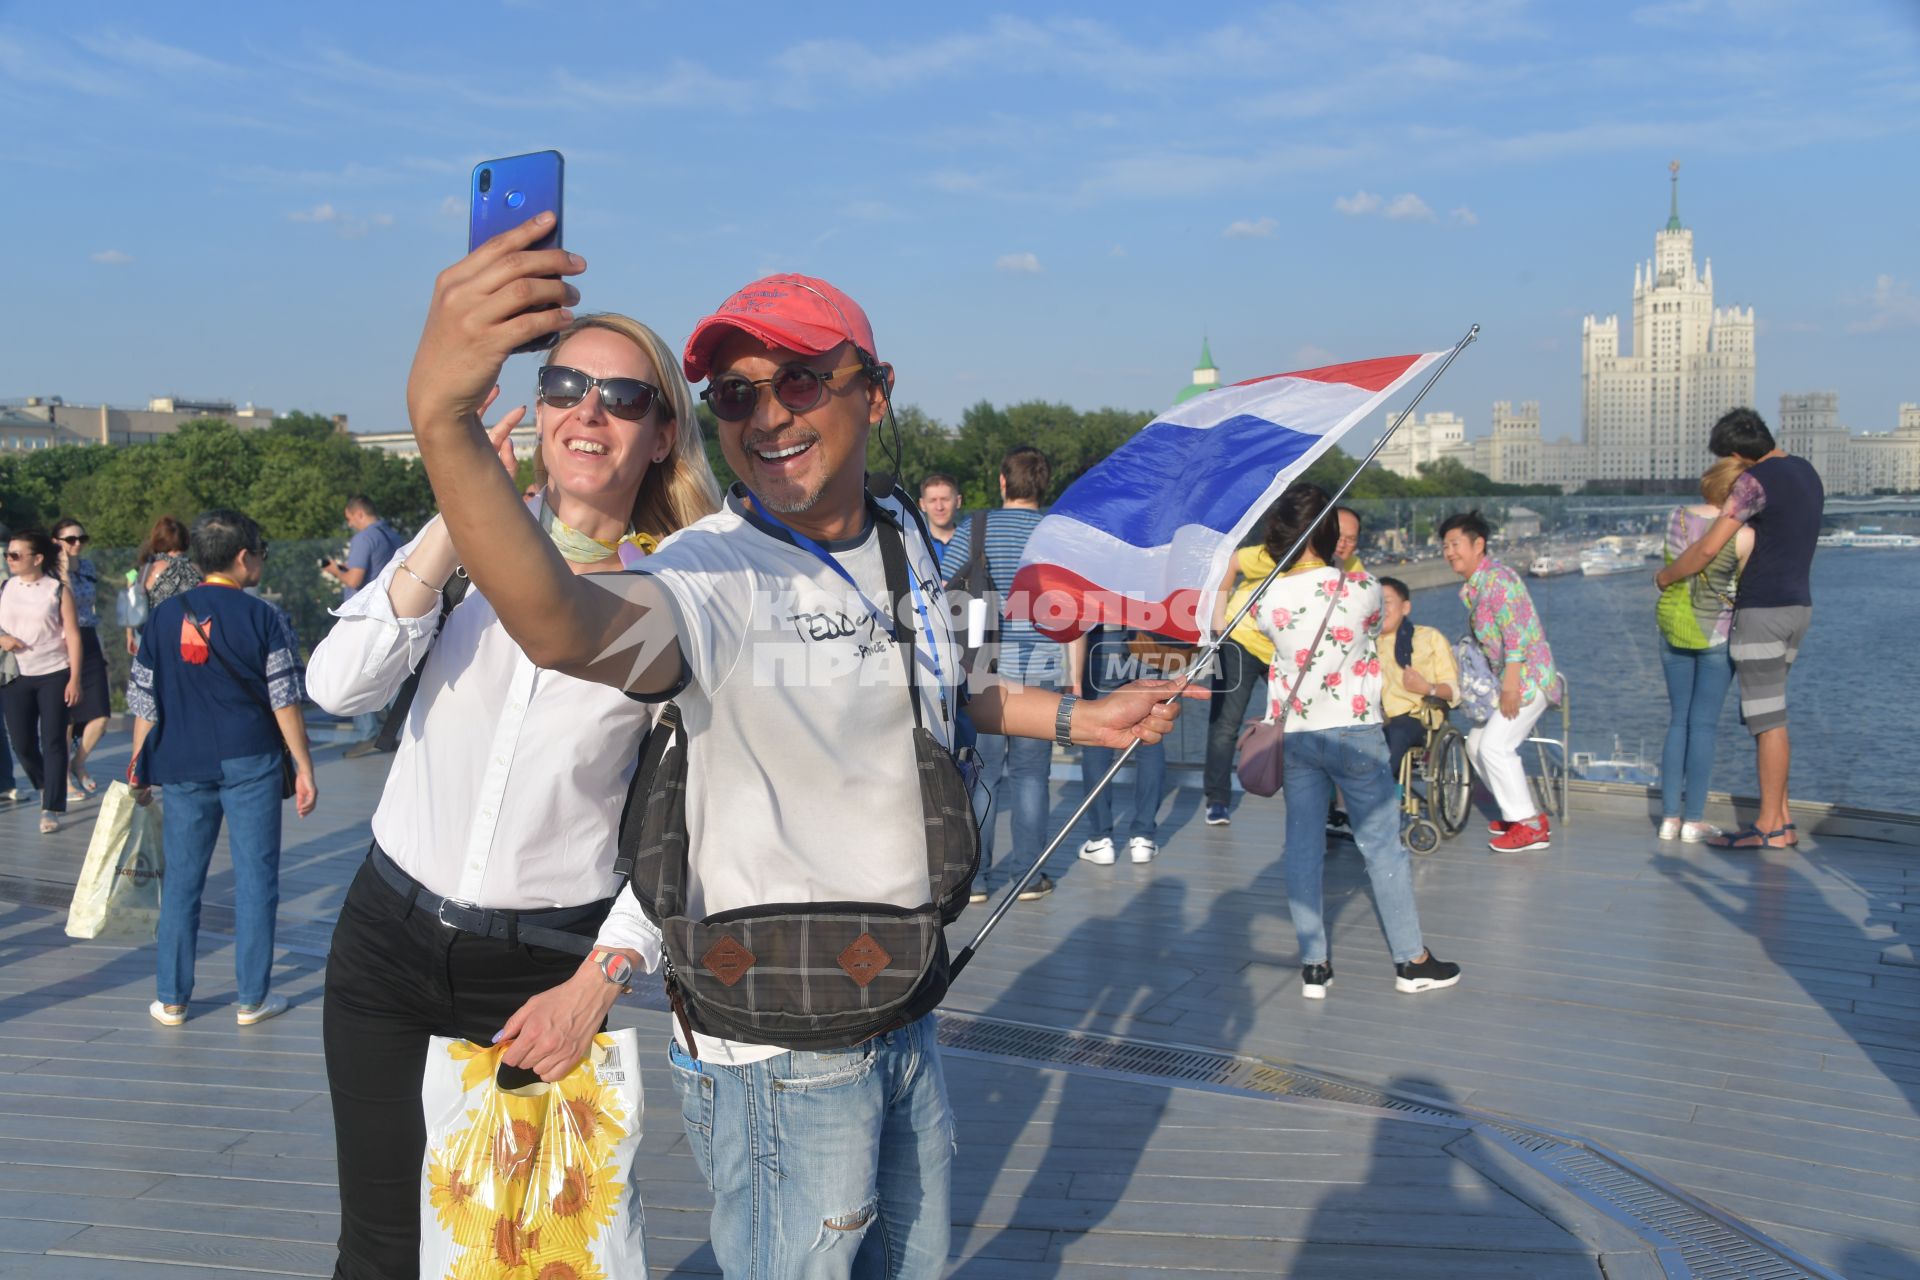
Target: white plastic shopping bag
x: 118, y: 896
x: 531, y: 1183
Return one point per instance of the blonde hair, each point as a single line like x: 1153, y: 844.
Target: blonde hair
x: 1716, y: 483
x: 681, y: 489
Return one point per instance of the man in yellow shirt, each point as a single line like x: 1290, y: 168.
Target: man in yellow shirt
x: 1415, y: 663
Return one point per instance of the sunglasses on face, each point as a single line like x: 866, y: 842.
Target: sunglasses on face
x: 797, y: 387
x: 75, y: 539
x: 626, y: 398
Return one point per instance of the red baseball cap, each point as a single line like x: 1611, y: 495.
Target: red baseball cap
x: 800, y: 313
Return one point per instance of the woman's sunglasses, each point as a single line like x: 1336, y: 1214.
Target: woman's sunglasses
x: 625, y: 398
x: 798, y: 388
x: 75, y: 539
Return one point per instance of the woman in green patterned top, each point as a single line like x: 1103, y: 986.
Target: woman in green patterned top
x: 1695, y: 616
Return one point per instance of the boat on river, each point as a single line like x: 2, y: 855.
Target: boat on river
x: 1546, y: 566
x: 1867, y: 538
x: 1603, y: 562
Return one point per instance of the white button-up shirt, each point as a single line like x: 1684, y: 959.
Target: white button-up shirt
x: 508, y: 782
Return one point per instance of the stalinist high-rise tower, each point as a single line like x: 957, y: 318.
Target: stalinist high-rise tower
x: 1647, y: 415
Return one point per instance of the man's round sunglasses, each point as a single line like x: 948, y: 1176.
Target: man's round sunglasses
x: 797, y: 387
x: 625, y: 398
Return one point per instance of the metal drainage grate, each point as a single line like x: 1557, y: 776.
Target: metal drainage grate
x: 1713, y: 1245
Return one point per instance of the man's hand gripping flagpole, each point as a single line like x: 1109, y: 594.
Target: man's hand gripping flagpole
x: 1203, y: 660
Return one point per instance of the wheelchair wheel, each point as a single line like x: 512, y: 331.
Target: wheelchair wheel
x: 1449, y: 781
x: 1422, y: 836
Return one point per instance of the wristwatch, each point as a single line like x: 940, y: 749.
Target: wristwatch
x: 1063, y: 721
x: 615, y: 968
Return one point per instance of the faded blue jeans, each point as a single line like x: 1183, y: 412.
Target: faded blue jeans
x: 825, y: 1166
x: 1149, y: 788
x: 1697, y: 681
x: 248, y: 796
x: 1017, y: 770
x: 1354, y: 758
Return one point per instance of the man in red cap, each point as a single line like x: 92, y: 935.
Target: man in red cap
x: 801, y: 783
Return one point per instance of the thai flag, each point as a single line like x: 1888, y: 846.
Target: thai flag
x: 1144, y: 538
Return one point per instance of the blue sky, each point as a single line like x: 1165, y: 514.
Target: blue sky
x: 251, y: 201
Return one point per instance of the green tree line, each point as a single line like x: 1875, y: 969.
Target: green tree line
x: 295, y: 475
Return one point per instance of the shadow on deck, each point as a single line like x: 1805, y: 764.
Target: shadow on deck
x: 1741, y: 1026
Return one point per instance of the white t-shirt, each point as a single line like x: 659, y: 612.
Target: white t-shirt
x: 801, y: 784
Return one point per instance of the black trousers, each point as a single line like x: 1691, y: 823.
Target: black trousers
x: 1404, y: 733
x: 36, y: 713
x: 395, y: 976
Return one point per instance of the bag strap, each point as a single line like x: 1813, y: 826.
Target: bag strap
x: 193, y: 620
x: 388, y: 737
x: 652, y: 752
x: 1313, y: 654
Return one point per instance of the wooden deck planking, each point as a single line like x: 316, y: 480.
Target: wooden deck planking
x: 1734, y: 1023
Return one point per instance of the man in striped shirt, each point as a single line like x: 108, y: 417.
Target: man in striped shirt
x: 1016, y: 768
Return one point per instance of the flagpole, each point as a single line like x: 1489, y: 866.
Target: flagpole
x: 966, y: 953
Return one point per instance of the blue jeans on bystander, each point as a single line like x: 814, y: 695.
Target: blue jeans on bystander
x: 1149, y: 788
x: 1354, y: 758
x: 1017, y: 770
x: 1697, y: 681
x: 248, y: 796
x: 825, y: 1166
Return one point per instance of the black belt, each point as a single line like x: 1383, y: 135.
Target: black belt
x: 540, y: 928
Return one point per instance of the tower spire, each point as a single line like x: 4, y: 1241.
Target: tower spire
x: 1673, y: 218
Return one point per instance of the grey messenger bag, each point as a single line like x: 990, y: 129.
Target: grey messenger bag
x: 803, y: 975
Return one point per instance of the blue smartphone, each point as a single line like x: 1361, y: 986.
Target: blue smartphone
x: 508, y: 191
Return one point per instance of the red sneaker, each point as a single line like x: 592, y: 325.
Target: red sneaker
x: 1522, y: 836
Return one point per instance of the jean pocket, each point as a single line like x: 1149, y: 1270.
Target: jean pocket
x: 812, y: 1072
x: 695, y: 1088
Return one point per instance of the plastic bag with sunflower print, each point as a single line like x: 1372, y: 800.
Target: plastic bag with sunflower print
x: 531, y: 1183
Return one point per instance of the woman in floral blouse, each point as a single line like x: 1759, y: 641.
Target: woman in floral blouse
x: 1325, y: 682
x: 1501, y: 618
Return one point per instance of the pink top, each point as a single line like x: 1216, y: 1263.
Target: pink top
x: 30, y: 613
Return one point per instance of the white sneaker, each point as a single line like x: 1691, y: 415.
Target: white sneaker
x: 1141, y: 849
x: 167, y: 1015
x: 1698, y: 832
x: 248, y: 1014
x: 1099, y: 852
x: 1669, y: 828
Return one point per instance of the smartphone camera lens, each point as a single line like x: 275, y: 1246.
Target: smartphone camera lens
x: 486, y: 181
x: 515, y: 199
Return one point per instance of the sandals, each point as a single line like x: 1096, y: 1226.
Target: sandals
x: 48, y: 825
x: 1752, y: 837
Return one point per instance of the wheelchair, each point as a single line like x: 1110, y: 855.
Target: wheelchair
x: 1545, y: 759
x: 1440, y: 807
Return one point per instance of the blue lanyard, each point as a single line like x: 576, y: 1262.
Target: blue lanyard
x: 832, y: 562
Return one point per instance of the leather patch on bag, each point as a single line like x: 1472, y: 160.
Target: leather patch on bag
x: 864, y: 958
x: 728, y: 961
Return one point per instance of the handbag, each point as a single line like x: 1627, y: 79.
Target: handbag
x: 1260, y: 762
x: 287, y: 770
x: 117, y: 898
x: 1479, y: 691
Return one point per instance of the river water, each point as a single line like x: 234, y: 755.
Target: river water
x: 1853, y: 712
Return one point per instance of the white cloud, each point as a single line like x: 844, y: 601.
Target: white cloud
x: 1405, y: 207
x: 1018, y: 263
x: 1250, y: 229
x: 112, y: 258
x: 1311, y: 357
x: 346, y: 226
x: 1465, y: 217
x: 1892, y: 305
x: 453, y: 207
x: 1118, y: 251
x: 1409, y: 207
x: 140, y: 53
